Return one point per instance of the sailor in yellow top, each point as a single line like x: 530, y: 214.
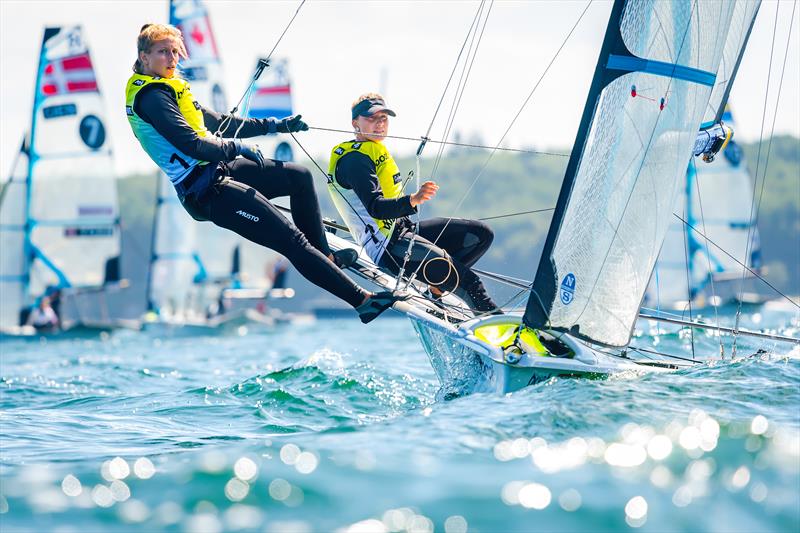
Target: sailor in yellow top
x: 233, y: 192
x: 366, y: 189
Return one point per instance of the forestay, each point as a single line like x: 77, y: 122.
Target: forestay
x: 652, y: 84
x: 59, y: 212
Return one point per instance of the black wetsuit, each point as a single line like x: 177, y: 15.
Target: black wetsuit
x: 458, y: 241
x: 235, y: 193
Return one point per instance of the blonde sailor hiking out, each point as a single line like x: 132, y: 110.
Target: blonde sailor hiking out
x: 215, y: 184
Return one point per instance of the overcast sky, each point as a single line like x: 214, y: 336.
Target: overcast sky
x: 338, y: 50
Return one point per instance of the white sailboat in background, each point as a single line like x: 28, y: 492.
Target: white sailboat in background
x: 59, y: 217
x: 701, y: 260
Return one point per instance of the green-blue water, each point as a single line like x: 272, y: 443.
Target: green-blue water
x: 335, y: 425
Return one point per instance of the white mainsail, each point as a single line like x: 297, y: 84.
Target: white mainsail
x: 59, y: 218
x: 652, y: 85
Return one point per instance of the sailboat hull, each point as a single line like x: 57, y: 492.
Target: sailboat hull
x: 466, y: 364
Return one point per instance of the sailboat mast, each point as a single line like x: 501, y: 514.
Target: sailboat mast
x: 32, y: 160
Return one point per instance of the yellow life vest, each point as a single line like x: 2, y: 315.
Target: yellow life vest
x: 175, y: 164
x: 371, y: 233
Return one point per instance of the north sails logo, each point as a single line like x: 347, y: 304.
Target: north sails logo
x: 247, y: 215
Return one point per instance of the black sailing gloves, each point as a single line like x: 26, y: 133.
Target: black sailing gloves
x: 287, y: 125
x: 249, y: 151
x: 291, y: 124
x: 252, y: 152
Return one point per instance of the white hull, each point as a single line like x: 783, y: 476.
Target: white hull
x: 466, y: 364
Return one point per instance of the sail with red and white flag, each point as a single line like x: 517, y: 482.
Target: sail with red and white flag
x: 69, y: 75
x: 272, y: 94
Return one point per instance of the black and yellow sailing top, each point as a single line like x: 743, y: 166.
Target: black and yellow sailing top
x: 173, y: 128
x: 366, y: 189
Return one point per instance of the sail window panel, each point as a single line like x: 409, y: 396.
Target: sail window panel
x: 672, y: 31
x: 40, y: 278
x: 741, y: 21
x: 79, y: 253
x: 632, y: 167
x: 73, y: 201
x: 670, y: 284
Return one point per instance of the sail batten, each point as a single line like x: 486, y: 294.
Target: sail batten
x: 652, y: 84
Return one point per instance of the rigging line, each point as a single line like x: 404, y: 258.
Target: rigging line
x: 452, y: 73
x: 513, y: 121
x: 459, y: 93
x: 688, y: 267
x: 471, y: 34
x: 754, y: 216
x: 462, y: 86
x: 753, y: 272
x: 225, y: 124
x: 453, y: 143
x: 508, y: 280
x: 664, y: 354
x: 758, y: 158
x: 708, y: 254
x: 725, y: 329
x: 769, y: 148
x: 519, y: 213
x: 645, y: 151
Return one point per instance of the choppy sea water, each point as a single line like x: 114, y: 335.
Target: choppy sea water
x: 336, y: 426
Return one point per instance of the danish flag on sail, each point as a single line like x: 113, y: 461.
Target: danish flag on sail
x: 69, y: 75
